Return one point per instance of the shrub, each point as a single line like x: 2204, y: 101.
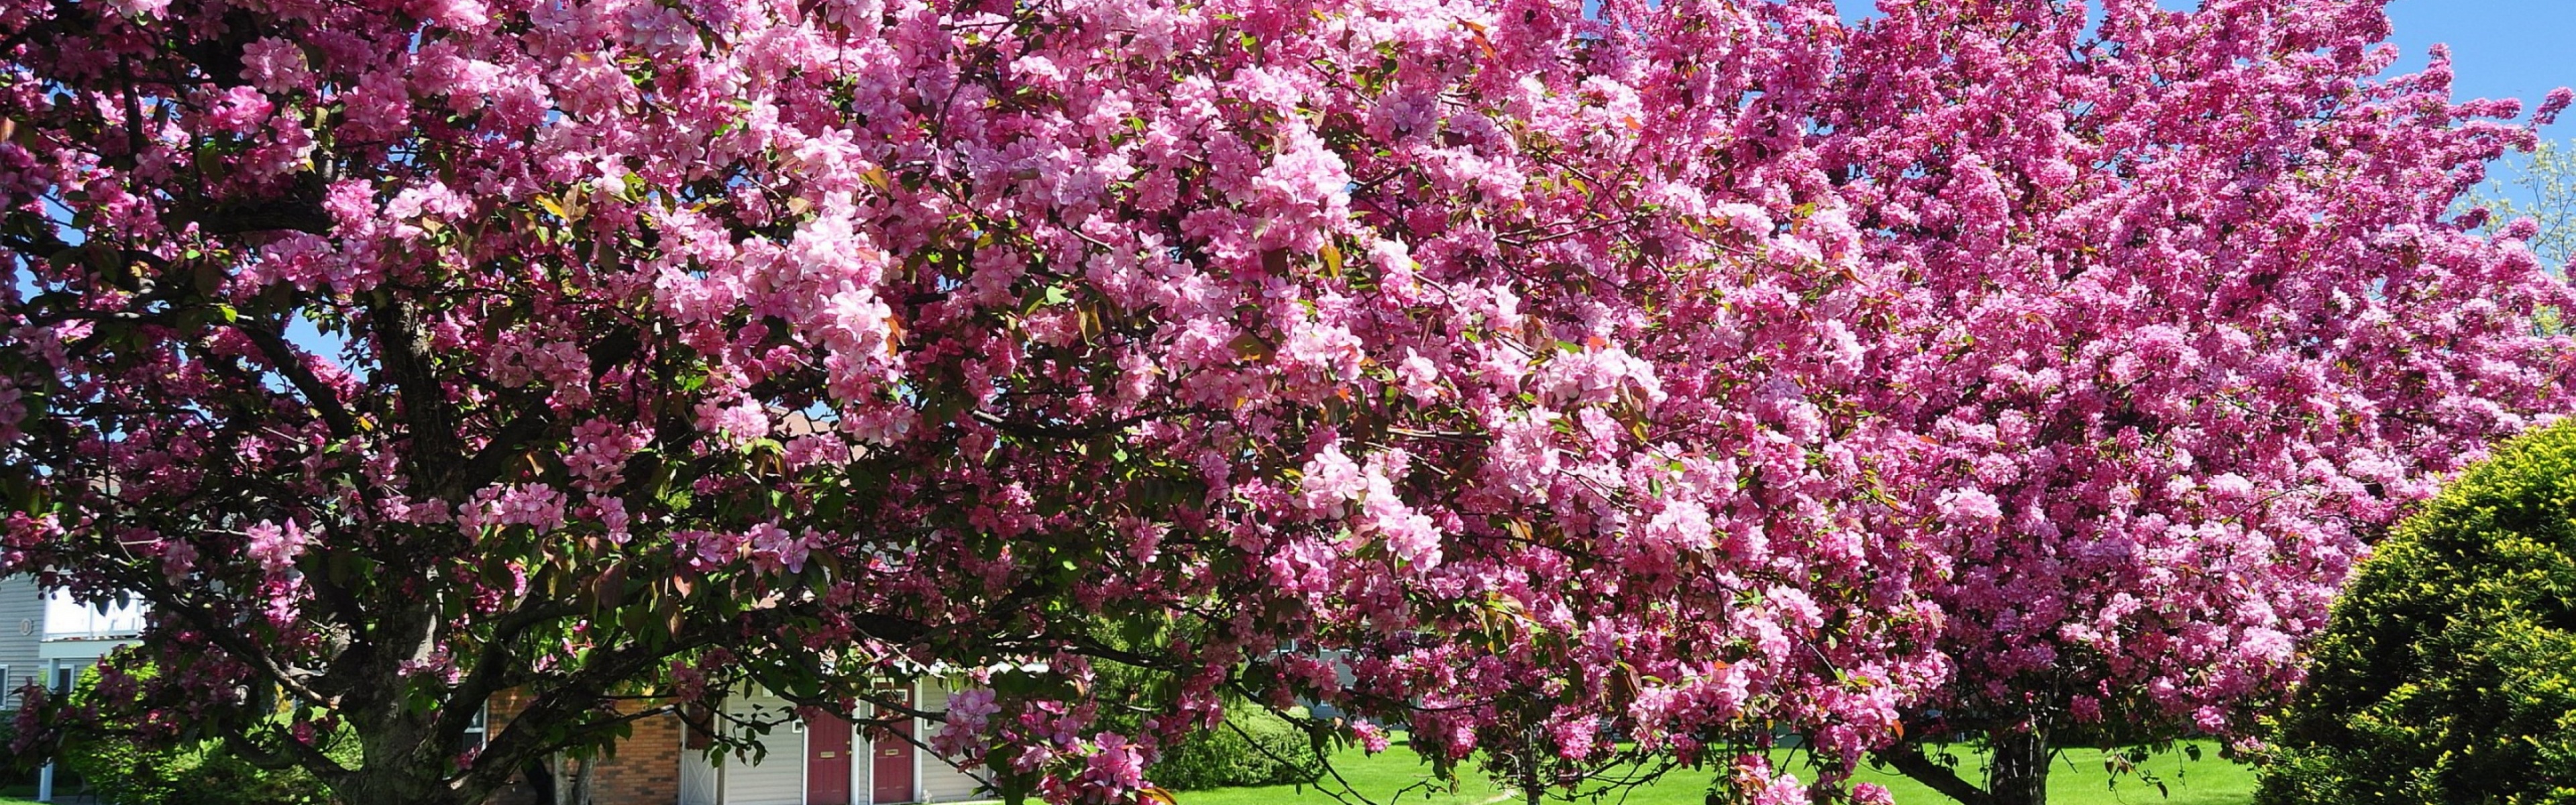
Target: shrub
x: 203, y: 773
x: 1267, y: 750
x: 123, y: 771
x: 2449, y: 671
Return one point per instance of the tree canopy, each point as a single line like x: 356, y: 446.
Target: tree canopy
x: 1551, y: 368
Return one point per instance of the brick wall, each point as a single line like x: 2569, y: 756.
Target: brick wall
x: 645, y: 769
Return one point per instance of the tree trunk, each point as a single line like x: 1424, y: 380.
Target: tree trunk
x: 541, y: 775
x: 581, y: 781
x: 392, y: 787
x: 400, y: 763
x: 1532, y: 792
x: 2017, y: 774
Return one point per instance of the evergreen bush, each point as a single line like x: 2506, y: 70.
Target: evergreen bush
x: 2448, y: 673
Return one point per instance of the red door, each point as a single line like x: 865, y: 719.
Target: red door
x: 827, y: 760
x: 893, y: 765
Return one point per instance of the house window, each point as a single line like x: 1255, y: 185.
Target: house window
x: 472, y: 740
x: 9, y: 695
x: 64, y: 676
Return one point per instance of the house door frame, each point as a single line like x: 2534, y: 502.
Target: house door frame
x: 848, y: 750
x: 912, y: 794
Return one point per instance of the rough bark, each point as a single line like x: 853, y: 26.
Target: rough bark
x: 1908, y: 759
x: 400, y: 786
x: 2017, y: 773
x: 2016, y: 770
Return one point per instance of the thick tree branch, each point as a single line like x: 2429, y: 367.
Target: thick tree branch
x: 427, y: 420
x: 234, y: 641
x: 1908, y: 759
x: 491, y: 668
x: 272, y: 344
x: 1081, y: 430
x: 289, y: 753
x: 487, y: 465
x: 276, y: 216
x: 563, y: 703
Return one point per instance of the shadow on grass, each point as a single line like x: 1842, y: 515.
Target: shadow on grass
x: 1399, y: 777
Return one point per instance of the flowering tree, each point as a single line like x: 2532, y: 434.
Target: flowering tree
x: 620, y: 353
x: 1674, y: 368
x: 2184, y: 327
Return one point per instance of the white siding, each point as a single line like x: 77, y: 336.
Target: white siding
x: 940, y: 779
x: 22, y: 629
x: 698, y: 779
x: 778, y: 779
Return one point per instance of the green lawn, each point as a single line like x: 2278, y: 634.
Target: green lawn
x: 2078, y: 780
x: 1396, y: 775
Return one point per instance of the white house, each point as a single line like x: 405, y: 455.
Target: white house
x: 48, y: 639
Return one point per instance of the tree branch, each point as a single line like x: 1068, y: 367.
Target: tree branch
x: 404, y: 349
x: 1908, y: 758
x: 487, y: 677
x: 505, y: 447
x: 1084, y: 430
x: 290, y: 754
x: 272, y: 344
x: 279, y: 216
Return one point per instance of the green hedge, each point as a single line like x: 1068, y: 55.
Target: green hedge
x: 1276, y: 753
x: 2449, y: 672
x: 122, y: 773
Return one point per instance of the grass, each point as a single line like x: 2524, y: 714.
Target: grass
x: 2078, y: 779
x: 1396, y: 775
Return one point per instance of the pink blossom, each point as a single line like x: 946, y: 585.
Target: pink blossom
x: 1117, y: 765
x: 275, y: 65
x: 1871, y: 794
x: 1575, y: 736
x: 462, y: 15
x: 1331, y: 479
x: 742, y: 420
x: 275, y: 546
x: 1372, y: 738
x: 240, y: 110
x: 775, y: 548
x: 178, y: 559
x: 1970, y: 507
x: 600, y: 450
x: 378, y: 108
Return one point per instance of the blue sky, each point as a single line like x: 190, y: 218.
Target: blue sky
x: 2499, y: 48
